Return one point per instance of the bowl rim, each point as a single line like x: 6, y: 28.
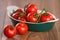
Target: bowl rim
x: 9, y: 15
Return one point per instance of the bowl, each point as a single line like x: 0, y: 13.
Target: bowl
x: 38, y: 27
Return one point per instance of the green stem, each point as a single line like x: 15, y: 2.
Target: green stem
x: 22, y: 14
x: 26, y: 6
x: 11, y: 28
x: 45, y: 10
x: 46, y: 14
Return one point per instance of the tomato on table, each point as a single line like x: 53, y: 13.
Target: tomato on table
x: 9, y: 31
x: 21, y: 28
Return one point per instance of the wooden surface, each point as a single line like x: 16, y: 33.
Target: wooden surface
x: 53, y: 34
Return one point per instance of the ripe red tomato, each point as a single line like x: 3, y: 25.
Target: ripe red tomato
x: 22, y: 17
x: 16, y: 13
x: 22, y: 28
x: 9, y: 31
x: 31, y: 8
x: 32, y: 17
x: 46, y: 17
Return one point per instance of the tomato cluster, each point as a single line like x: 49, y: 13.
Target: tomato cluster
x: 20, y: 28
x: 19, y: 15
x: 30, y: 14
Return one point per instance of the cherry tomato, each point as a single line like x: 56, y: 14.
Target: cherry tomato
x: 22, y: 28
x: 22, y: 17
x: 46, y: 17
x: 31, y: 8
x: 32, y: 17
x: 9, y: 31
x: 16, y: 13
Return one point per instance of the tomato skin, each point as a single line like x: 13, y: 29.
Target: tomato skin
x: 22, y: 28
x: 8, y: 32
x: 22, y: 18
x: 15, y: 15
x: 31, y: 17
x: 31, y: 8
x: 45, y: 18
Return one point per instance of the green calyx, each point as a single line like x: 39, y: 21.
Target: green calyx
x: 46, y: 14
x: 44, y: 10
x: 26, y: 6
x: 22, y: 14
x: 35, y: 15
x: 12, y: 28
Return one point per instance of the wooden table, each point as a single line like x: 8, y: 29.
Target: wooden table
x: 53, y: 34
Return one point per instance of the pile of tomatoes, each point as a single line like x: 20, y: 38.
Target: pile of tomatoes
x: 29, y: 14
x: 20, y: 28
